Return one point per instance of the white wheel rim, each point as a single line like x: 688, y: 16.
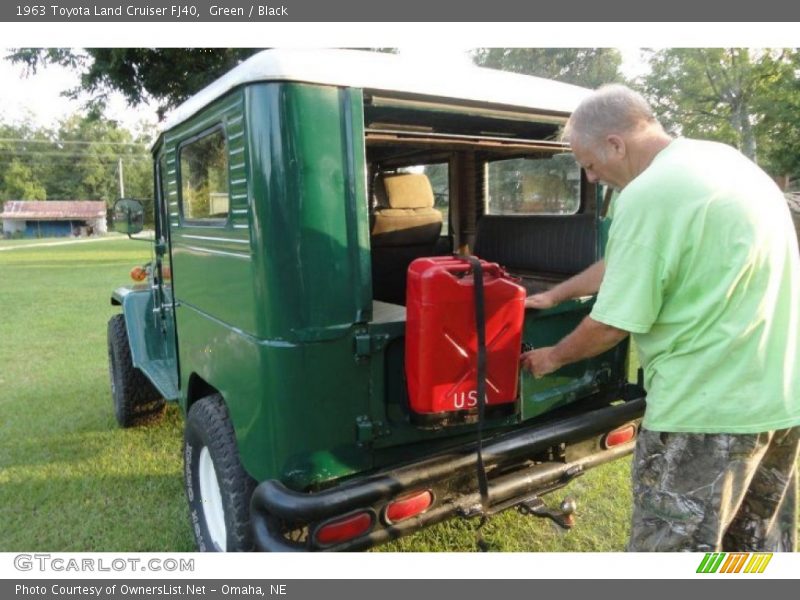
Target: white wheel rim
x: 211, y: 499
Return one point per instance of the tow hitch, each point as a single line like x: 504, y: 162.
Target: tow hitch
x: 564, y: 516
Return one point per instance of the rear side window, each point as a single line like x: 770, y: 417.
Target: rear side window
x: 204, y: 179
x: 548, y: 185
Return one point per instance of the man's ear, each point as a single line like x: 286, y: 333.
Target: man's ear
x: 616, y: 145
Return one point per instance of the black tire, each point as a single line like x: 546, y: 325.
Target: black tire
x: 209, y: 428
x: 136, y: 401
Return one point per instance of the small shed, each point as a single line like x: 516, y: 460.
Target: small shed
x: 53, y: 218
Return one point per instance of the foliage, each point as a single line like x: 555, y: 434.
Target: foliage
x: 204, y: 170
x: 543, y: 185
x: 18, y: 182
x: 98, y: 147
x: 21, y: 175
x: 779, y: 127
x: 167, y: 75
x: 589, y: 67
x: 79, y: 159
x: 744, y: 97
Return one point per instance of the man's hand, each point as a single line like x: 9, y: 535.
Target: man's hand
x: 589, y: 339
x: 540, y: 362
x: 542, y: 300
x: 585, y: 283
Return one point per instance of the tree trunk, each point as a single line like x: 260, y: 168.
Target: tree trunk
x: 745, y: 128
x: 782, y: 181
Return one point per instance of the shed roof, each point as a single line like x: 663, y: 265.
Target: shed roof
x: 53, y: 210
x: 389, y: 72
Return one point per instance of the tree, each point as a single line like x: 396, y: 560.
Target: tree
x: 78, y: 160
x: 18, y: 183
x: 544, y: 185
x: 779, y: 128
x: 589, y: 67
x: 723, y: 94
x: 166, y: 75
x: 91, y: 150
x: 22, y: 172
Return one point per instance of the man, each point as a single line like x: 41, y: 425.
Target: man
x: 702, y: 268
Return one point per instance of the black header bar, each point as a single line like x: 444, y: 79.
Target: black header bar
x: 461, y: 11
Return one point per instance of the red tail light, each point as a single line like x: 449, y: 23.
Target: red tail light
x: 343, y: 530
x: 408, y: 507
x: 619, y: 436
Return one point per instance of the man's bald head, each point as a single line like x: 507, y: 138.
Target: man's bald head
x: 615, y: 135
x: 612, y: 109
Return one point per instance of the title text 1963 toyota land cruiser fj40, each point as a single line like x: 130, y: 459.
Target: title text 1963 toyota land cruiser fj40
x: 292, y: 196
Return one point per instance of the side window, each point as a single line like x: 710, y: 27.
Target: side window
x: 204, y: 179
x: 549, y: 185
x: 439, y: 176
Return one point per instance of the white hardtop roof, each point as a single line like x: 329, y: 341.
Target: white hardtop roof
x: 389, y: 72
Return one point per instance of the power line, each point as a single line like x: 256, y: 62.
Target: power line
x: 130, y: 157
x: 82, y: 142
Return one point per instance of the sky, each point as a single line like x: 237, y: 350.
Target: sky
x: 38, y: 96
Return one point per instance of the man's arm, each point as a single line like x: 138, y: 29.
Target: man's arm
x: 589, y: 339
x: 585, y: 283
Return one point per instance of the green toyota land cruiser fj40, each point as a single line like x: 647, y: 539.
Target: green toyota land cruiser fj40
x: 291, y: 196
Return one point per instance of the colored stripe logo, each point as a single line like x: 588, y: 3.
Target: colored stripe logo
x: 734, y: 562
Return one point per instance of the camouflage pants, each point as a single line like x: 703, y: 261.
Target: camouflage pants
x: 712, y: 492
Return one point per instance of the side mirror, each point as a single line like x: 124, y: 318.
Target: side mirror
x: 128, y: 216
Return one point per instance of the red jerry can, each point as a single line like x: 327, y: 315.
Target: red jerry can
x: 441, y: 339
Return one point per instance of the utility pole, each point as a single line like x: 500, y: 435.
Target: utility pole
x: 121, y: 183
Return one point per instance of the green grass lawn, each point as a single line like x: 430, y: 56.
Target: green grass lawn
x: 23, y: 242
x: 4, y: 243
x: 71, y: 480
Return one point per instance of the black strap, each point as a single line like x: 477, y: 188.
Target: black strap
x: 480, y: 327
x: 606, y: 201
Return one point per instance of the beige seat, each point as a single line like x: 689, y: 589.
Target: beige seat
x: 405, y: 226
x: 405, y: 215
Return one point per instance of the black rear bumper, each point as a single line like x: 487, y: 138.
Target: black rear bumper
x: 513, y: 476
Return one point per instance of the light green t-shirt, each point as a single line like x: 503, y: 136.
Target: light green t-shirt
x: 702, y: 268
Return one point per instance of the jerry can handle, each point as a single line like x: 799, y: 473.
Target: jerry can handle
x: 469, y: 266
